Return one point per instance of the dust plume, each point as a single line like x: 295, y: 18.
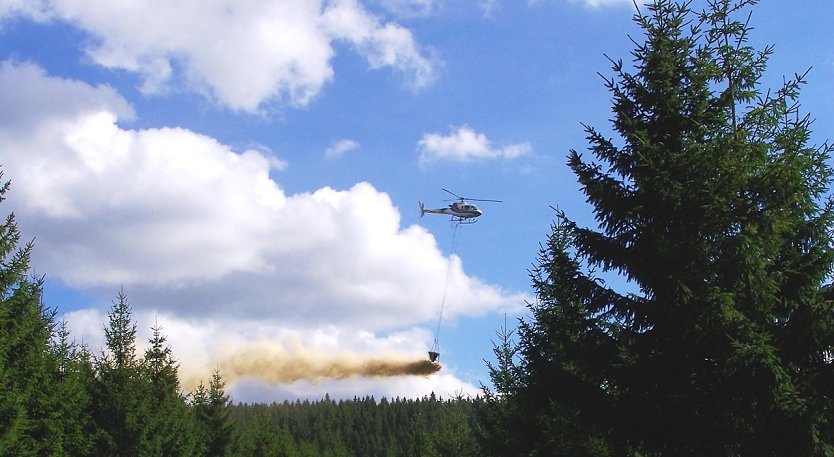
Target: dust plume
x: 287, y: 370
x: 275, y: 365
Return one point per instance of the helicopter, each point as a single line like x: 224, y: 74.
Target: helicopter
x: 461, y: 210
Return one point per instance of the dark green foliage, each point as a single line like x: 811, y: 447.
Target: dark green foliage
x: 211, y: 411
x: 27, y: 402
x: 138, y: 408
x: 358, y: 427
x: 121, y: 406
x: 171, y: 424
x: 456, y: 435
x: 73, y: 391
x: 498, y: 416
x: 710, y: 206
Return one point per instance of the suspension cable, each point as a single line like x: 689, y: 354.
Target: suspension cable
x: 436, y: 346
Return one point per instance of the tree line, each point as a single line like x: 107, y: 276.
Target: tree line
x: 711, y: 206
x: 426, y: 426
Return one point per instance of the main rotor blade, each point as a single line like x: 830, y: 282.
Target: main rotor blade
x: 449, y: 191
x: 470, y: 199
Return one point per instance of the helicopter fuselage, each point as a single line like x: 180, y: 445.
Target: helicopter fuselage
x: 460, y: 210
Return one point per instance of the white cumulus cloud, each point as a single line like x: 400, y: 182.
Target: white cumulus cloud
x: 242, y: 55
x: 202, y: 236
x: 465, y: 144
x: 411, y: 8
x: 605, y: 3
x: 340, y: 147
x: 488, y: 6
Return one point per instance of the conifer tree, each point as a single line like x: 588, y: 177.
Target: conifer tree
x: 121, y: 406
x: 496, y: 414
x: 420, y: 440
x: 712, y: 205
x: 26, y: 325
x: 172, y: 424
x: 211, y: 408
x: 74, y: 378
x: 453, y: 432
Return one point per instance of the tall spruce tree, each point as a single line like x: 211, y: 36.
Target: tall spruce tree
x: 171, y: 422
x: 214, y: 423
x: 497, y: 412
x: 73, y: 371
x: 121, y: 396
x: 27, y: 406
x: 712, y: 204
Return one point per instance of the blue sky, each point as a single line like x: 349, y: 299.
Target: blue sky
x: 249, y: 172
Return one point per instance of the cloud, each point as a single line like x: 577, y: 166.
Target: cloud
x: 339, y: 148
x: 464, y: 145
x: 172, y: 213
x: 489, y: 6
x: 201, y: 234
x: 56, y: 100
x: 604, y: 3
x: 382, y: 45
x: 36, y: 10
x: 410, y: 8
x: 599, y: 3
x: 242, y: 55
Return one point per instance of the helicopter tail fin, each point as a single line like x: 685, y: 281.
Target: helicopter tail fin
x: 422, y: 209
